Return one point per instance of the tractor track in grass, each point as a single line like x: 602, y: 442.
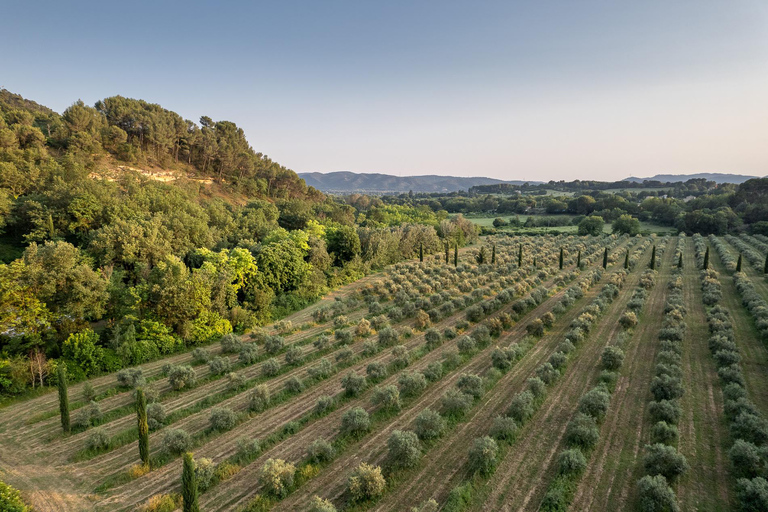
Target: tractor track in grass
x: 332, y: 483
x: 613, y: 469
x: 703, y: 428
x: 754, y: 353
x: 166, y: 478
x: 522, y: 478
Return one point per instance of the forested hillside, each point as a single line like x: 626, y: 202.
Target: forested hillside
x: 106, y: 265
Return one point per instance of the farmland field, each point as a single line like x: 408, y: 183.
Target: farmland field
x: 553, y: 375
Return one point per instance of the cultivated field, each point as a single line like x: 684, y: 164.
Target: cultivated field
x: 561, y: 373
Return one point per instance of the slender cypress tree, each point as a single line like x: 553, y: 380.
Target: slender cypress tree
x: 189, y: 485
x: 578, y: 260
x: 706, y: 259
x: 680, y: 261
x: 493, y: 254
x: 765, y: 268
x: 520, y: 256
x: 561, y: 258
x: 141, y: 417
x: 421, y: 252
x: 626, y: 260
x: 605, y: 258
x: 456, y: 255
x: 653, y: 258
x: 480, y: 256
x: 61, y: 378
x: 738, y: 264
x: 447, y: 250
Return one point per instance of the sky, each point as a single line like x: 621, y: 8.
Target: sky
x: 533, y: 90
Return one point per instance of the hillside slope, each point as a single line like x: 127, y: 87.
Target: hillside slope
x: 344, y: 181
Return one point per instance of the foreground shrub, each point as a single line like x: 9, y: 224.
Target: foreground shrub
x: 321, y: 451
x: 664, y: 460
x: 571, y: 462
x: 655, y: 495
x: 429, y: 425
x: 752, y: 495
x: 259, y: 398
x: 522, y: 406
x: 612, y: 358
x: 181, y: 377
x: 221, y: 419
x: 387, y: 397
x: 355, y: 421
x: 318, y: 504
x: 130, y: 378
x: 156, y: 415
x: 595, y: 402
x: 482, y: 455
x: 582, y: 432
x: 503, y: 428
x: 662, y: 432
x: 366, y: 482
x: 175, y: 441
x: 97, y: 440
x: 276, y: 476
x: 404, y: 448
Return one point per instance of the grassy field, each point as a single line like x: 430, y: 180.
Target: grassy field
x: 487, y: 221
x: 489, y: 308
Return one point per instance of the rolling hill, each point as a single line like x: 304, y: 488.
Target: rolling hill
x: 343, y: 181
x: 709, y: 176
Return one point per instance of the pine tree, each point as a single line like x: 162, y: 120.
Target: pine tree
x: 456, y: 255
x: 626, y: 260
x: 680, y: 261
x: 561, y: 258
x: 706, y: 259
x: 520, y: 256
x: 421, y: 252
x: 189, y: 485
x: 493, y: 254
x: 578, y: 260
x: 61, y: 374
x: 653, y: 258
x: 141, y: 416
x: 738, y: 264
x: 605, y: 258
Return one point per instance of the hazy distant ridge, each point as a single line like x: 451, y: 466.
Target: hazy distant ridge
x: 710, y: 176
x: 343, y: 181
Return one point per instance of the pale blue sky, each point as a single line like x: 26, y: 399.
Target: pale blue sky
x: 516, y: 90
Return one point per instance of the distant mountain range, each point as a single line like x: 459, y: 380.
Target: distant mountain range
x: 709, y: 176
x: 343, y: 181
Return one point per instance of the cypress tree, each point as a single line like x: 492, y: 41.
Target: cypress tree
x: 61, y: 374
x: 626, y: 260
x: 578, y: 260
x: 765, y: 268
x: 680, y: 261
x: 456, y: 255
x: 481, y: 256
x: 738, y: 264
x: 447, y: 250
x: 493, y: 254
x: 561, y: 258
x: 605, y: 258
x: 534, y: 262
x: 653, y: 258
x: 520, y: 256
x: 421, y: 252
x: 189, y: 485
x: 141, y: 416
x: 706, y: 259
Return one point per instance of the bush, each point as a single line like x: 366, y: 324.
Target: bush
x: 156, y: 415
x: 746, y: 459
x: 318, y: 504
x: 502, y: 358
x: 571, y: 462
x: 465, y: 344
x: 547, y: 373
x: 474, y: 313
x: 10, y: 499
x: 87, y: 415
x: 612, y: 358
x: 665, y: 387
x: 429, y: 425
x: 181, y: 377
x: 274, y: 344
x: 628, y: 320
x: 249, y: 353
x: 355, y: 421
x: 400, y: 357
x: 204, y: 471
x: 293, y: 356
x: 434, y: 371
x: 535, y: 328
x: 595, y: 402
x: 130, y: 378
x: 404, y: 449
x: 175, y: 441
x: 433, y: 338
x: 270, y: 367
x: 665, y: 410
x: 321, y: 370
x: 537, y: 387
x: 482, y: 455
x: 353, y: 384
x: 247, y: 447
x: 344, y: 336
x: 411, y: 383
x: 201, y: 355
x: 344, y: 354
x: 366, y: 482
x: 321, y: 451
x: 750, y: 427
x: 387, y: 397
x: 276, y: 477
x: 221, y: 419
x: 664, y: 433
x: 97, y: 440
x: 655, y: 495
x: 388, y: 337
x: 324, y: 403
x: 522, y: 406
x: 219, y: 365
x: 664, y: 460
x: 503, y: 428
x: 230, y: 344
x: 582, y: 432
x: 558, y: 360
x: 752, y: 495
x: 259, y: 398
x: 470, y: 384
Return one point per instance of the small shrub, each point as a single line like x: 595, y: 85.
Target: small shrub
x: 582, y: 432
x: 429, y: 425
x: 355, y: 421
x: 318, y: 504
x: 366, y: 483
x: 746, y: 459
x: 558, y: 360
x: 249, y: 353
x: 270, y: 367
x: 664, y: 460
x: 664, y: 433
x: 503, y: 428
x: 219, y: 365
x: 456, y: 403
x: 294, y: 385
x: 752, y: 495
x: 321, y: 451
x: 466, y: 345
x: 274, y: 344
x: 156, y: 415
x: 130, y: 378
x: 434, y: 371
x: 628, y: 320
x: 537, y: 387
x: 353, y: 384
x: 235, y: 381
x: 181, y: 377
x: 470, y: 384
x: 404, y: 448
x: 482, y: 455
x: 87, y: 415
x: 276, y: 477
x: 230, y: 344
x: 522, y: 406
x: 259, y: 398
x: 97, y: 440
x: 665, y: 410
x: 294, y: 356
x: 387, y: 397
x: 89, y: 394
x: 221, y: 419
x: 655, y: 495
x: 204, y: 471
x: 411, y: 383
x: 571, y: 462
x: 248, y: 448
x: 750, y: 427
x: 595, y: 402
x: 175, y: 441
x: 324, y: 403
x: 612, y: 358
x: 547, y: 373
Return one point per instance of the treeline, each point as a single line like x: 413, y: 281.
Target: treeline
x: 112, y: 272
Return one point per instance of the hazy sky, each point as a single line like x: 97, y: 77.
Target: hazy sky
x: 514, y: 90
